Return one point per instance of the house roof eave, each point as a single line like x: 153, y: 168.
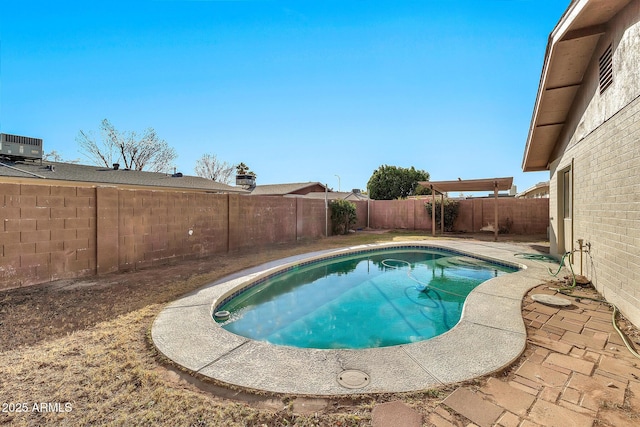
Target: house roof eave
x: 569, y: 52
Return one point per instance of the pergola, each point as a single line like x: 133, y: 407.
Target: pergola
x: 486, y: 184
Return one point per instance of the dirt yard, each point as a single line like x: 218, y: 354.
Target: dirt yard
x: 77, y: 352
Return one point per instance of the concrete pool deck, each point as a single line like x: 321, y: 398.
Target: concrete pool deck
x: 490, y: 336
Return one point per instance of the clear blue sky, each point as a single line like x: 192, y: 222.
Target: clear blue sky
x: 298, y: 90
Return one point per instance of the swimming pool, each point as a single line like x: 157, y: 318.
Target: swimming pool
x: 489, y: 336
x: 371, y: 299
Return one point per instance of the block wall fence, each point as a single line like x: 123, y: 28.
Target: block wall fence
x: 527, y: 216
x: 52, y: 232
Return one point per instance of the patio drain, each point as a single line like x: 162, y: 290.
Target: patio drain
x: 353, y: 378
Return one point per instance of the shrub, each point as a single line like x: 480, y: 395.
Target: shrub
x: 343, y: 215
x: 505, y: 228
x: 450, y: 212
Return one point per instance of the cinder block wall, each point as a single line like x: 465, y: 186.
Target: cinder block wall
x: 397, y: 214
x: 312, y: 221
x: 257, y: 220
x: 527, y: 216
x: 51, y: 232
x: 600, y: 145
x: 606, y: 207
x: 55, y: 231
x: 48, y: 233
x: 155, y: 227
x: 521, y: 216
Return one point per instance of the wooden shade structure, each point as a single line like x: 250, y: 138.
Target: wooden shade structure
x: 486, y: 184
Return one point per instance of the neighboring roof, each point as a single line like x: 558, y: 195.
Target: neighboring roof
x: 333, y: 195
x: 534, y: 189
x: 284, y: 189
x: 486, y: 184
x: 103, y: 175
x: 569, y: 52
x: 356, y: 195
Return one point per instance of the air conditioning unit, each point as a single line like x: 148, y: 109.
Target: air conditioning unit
x: 249, y: 180
x: 20, y: 147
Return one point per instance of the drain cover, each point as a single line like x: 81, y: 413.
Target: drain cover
x: 551, y: 300
x: 352, y: 378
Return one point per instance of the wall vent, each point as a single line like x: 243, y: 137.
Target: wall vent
x: 606, y: 69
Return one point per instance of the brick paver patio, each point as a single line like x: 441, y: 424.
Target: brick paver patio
x: 576, y: 371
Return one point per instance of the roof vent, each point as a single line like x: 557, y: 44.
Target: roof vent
x: 116, y: 166
x: 605, y: 65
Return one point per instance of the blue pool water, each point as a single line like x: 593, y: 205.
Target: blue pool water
x: 372, y: 299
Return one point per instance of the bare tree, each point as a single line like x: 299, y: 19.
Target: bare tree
x: 147, y: 151
x: 54, y: 156
x: 208, y: 166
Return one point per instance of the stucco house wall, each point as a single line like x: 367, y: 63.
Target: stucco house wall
x: 600, y: 148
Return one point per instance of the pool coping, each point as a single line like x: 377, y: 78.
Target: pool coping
x: 481, y: 343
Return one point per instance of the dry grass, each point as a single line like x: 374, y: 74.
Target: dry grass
x: 82, y: 348
x: 109, y: 376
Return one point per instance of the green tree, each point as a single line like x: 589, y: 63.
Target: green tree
x: 343, y: 215
x: 243, y: 169
x: 422, y: 191
x: 392, y: 182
